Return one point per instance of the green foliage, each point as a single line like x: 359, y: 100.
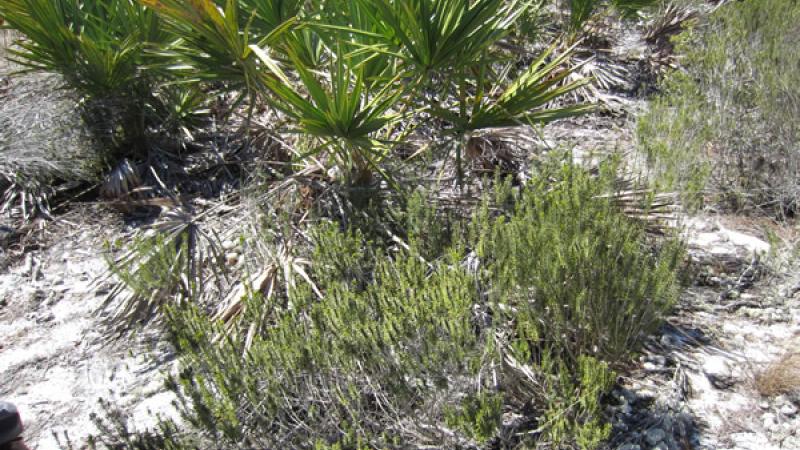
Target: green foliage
x: 153, y: 271
x: 442, y: 35
x: 97, y: 45
x: 479, y: 416
x: 162, y: 268
x: 404, y: 350
x: 522, y: 102
x: 568, y: 268
x: 583, y: 10
x: 338, y: 364
x: 726, y: 122
x: 215, y: 40
x: 347, y: 72
x: 342, y: 113
x: 102, y: 50
x: 573, y: 410
x: 114, y: 432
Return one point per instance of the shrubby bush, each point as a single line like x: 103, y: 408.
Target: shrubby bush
x: 522, y: 312
x: 725, y: 124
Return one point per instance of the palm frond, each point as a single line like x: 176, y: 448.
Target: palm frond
x: 438, y: 35
x: 524, y: 101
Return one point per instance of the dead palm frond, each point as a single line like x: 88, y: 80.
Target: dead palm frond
x: 657, y: 211
x: 499, y: 150
x: 122, y: 182
x: 280, y: 272
x: 667, y: 22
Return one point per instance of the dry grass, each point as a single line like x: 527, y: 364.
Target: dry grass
x: 780, y: 377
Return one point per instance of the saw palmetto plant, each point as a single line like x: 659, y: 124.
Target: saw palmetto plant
x: 442, y: 36
x: 214, y: 43
x: 99, y: 48
x: 345, y: 72
x: 522, y: 102
x: 581, y: 11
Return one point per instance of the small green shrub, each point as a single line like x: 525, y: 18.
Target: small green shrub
x: 726, y: 122
x: 525, y: 308
x: 568, y: 266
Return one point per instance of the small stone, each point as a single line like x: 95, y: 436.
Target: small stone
x: 629, y: 447
x: 660, y: 446
x: 654, y: 435
x: 763, y: 404
x: 232, y: 258
x: 668, y: 340
x: 228, y: 245
x: 718, y: 372
x: 789, y: 410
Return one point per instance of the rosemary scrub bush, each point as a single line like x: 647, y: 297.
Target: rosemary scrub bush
x: 726, y: 123
x: 522, y: 312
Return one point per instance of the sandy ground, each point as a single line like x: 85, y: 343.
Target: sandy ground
x: 56, y: 358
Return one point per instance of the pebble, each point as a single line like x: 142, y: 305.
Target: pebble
x: 654, y: 435
x: 789, y: 410
x: 718, y: 372
x: 232, y: 258
x: 629, y: 447
x: 661, y: 446
x: 228, y: 245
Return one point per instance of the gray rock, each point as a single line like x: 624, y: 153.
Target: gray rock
x: 718, y: 372
x: 661, y: 446
x: 788, y: 410
x: 654, y: 435
x: 629, y: 447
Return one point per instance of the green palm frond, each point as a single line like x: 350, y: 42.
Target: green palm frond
x: 436, y: 35
x: 214, y: 42
x: 98, y: 46
x: 338, y: 108
x: 524, y: 101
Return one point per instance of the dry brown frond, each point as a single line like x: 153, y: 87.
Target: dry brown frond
x: 122, y: 182
x: 780, y: 377
x: 500, y: 149
x: 667, y: 22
